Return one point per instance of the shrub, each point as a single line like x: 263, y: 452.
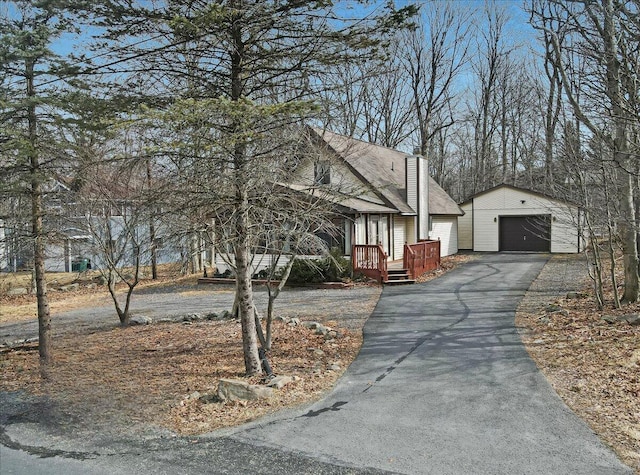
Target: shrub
x: 332, y: 268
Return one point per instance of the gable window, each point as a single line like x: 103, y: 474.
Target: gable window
x: 322, y: 173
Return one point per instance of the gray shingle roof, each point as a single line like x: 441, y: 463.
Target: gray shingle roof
x: 384, y: 169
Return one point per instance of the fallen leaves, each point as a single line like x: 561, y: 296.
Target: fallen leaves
x: 593, y: 365
x: 147, y: 373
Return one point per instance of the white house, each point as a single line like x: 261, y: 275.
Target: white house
x: 399, y: 203
x: 507, y: 218
x: 382, y: 197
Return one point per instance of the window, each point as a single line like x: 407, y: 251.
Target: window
x: 322, y: 173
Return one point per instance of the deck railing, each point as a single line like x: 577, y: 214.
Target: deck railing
x: 370, y: 260
x: 421, y: 257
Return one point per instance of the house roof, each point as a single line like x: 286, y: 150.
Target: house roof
x: 348, y: 202
x: 384, y: 169
x: 517, y: 188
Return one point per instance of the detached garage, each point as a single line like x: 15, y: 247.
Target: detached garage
x: 507, y: 218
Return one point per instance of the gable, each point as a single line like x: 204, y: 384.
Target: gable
x: 511, y: 193
x: 383, y: 169
x: 340, y: 178
x: 508, y: 197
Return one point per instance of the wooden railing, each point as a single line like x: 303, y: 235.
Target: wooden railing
x: 421, y: 257
x: 370, y: 260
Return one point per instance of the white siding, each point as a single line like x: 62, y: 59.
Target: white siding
x: 399, y: 237
x: 423, y: 199
x: 412, y: 182
x: 465, y: 227
x: 445, y: 229
x: 487, y: 209
x: 361, y: 230
x: 341, y: 178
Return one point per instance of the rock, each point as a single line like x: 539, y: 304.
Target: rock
x: 280, y: 381
x: 101, y: 280
x: 575, y: 295
x: 70, y: 287
x: 334, y: 367
x: 282, y: 319
x: 294, y: 322
x: 322, y: 330
x: 238, y: 390
x: 318, y: 353
x: 194, y: 395
x: 91, y: 286
x: 311, y: 325
x: 140, y: 320
x: 191, y: 317
x: 211, y: 316
x: 331, y: 335
x: 18, y: 291
x: 632, y: 319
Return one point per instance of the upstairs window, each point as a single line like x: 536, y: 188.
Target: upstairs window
x: 322, y: 173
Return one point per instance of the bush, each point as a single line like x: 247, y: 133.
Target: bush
x: 332, y: 268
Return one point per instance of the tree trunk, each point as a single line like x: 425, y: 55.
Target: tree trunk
x: 37, y: 229
x: 152, y: 230
x: 621, y: 154
x: 242, y: 247
x: 629, y: 239
x: 244, y: 299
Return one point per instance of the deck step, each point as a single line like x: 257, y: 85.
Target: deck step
x: 399, y: 282
x: 398, y: 277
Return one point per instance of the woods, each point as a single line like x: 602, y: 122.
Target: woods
x: 190, y: 116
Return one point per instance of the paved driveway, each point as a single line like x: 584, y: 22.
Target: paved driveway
x: 442, y: 386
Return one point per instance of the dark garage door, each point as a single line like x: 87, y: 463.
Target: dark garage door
x: 525, y: 233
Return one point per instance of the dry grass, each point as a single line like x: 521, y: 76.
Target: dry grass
x: 146, y: 374
x: 593, y: 365
x: 17, y: 308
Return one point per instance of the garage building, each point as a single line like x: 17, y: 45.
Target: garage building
x: 507, y: 218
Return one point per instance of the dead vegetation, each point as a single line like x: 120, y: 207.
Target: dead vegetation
x: 592, y: 359
x: 158, y: 374
x: 86, y: 291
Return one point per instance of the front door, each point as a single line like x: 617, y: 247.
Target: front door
x: 378, y: 231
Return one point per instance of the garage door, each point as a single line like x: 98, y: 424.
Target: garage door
x: 525, y: 233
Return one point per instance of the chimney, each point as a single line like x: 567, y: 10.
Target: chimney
x: 417, y: 183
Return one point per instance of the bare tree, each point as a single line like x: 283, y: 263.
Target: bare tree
x: 601, y: 38
x: 434, y: 56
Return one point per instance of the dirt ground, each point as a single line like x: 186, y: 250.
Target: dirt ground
x: 164, y: 375
x: 593, y: 365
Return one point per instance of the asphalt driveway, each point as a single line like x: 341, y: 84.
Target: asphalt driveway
x: 442, y: 385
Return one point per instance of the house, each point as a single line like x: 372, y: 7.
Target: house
x: 397, y: 202
x: 508, y: 218
x: 77, y: 236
